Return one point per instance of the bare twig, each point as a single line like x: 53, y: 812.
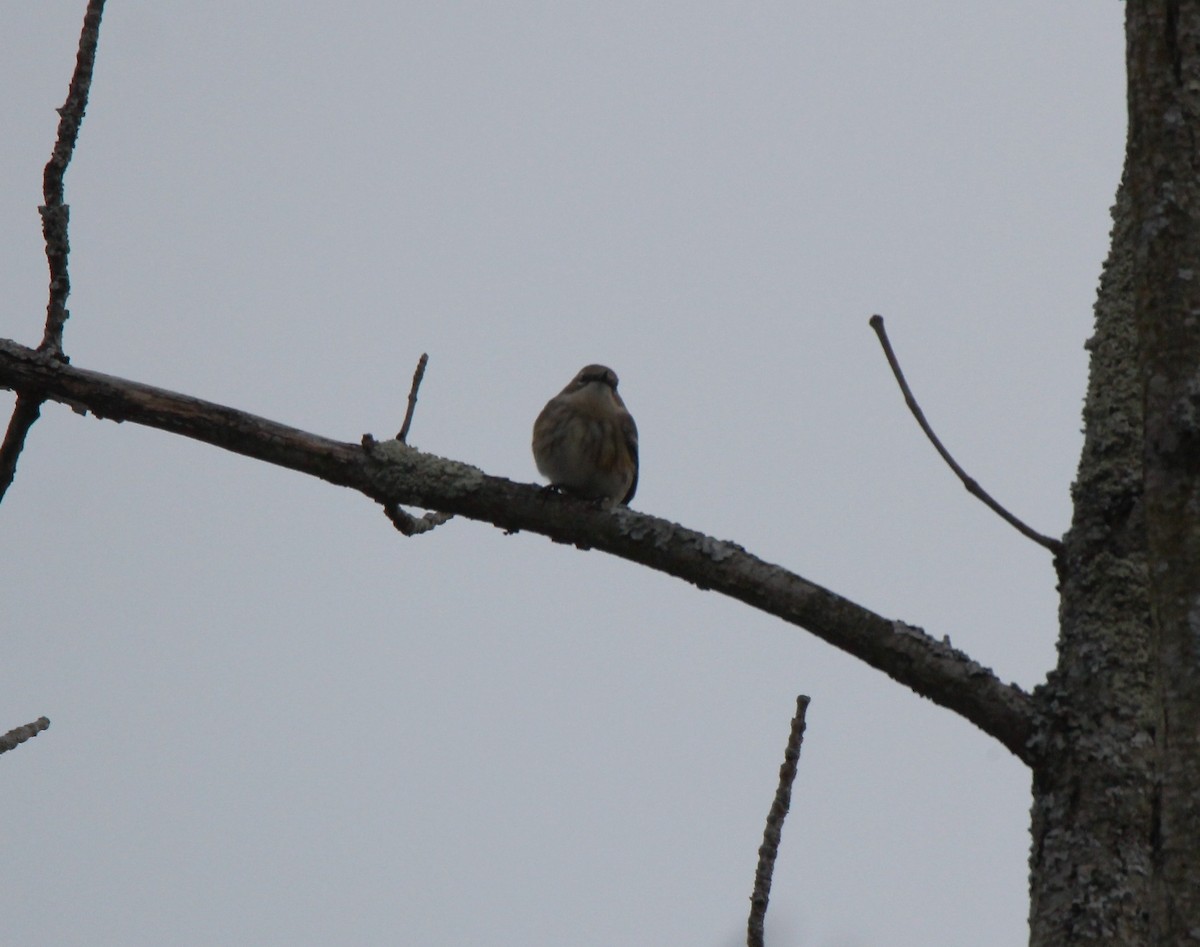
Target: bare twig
x: 774, y: 829
x: 55, y: 211
x: 412, y: 397
x: 19, y: 735
x: 972, y: 486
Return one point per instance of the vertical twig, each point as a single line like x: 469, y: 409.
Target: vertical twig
x: 774, y: 830
x: 412, y: 397
x: 55, y: 213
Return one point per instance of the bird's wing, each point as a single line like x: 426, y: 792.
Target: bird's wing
x: 629, y: 435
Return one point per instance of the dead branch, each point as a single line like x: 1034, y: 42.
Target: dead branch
x: 392, y: 473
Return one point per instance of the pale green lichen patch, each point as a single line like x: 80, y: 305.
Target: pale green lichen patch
x: 662, y: 533
x: 404, y: 462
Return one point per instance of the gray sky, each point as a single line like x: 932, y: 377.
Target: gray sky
x: 275, y: 720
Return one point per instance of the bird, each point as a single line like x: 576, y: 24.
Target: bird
x: 585, y: 441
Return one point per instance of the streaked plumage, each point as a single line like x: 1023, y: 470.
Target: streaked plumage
x: 585, y: 441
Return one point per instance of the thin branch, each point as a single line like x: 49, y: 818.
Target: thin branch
x: 19, y: 735
x: 972, y: 486
x: 390, y: 472
x: 412, y: 397
x: 774, y: 830
x: 55, y: 212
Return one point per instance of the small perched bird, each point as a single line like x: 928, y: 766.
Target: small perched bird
x: 585, y: 441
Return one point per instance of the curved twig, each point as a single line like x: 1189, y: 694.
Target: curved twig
x: 972, y: 486
x: 411, y: 525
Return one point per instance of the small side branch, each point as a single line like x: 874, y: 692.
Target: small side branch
x: 27, y: 410
x: 19, y: 735
x: 972, y: 486
x: 774, y: 830
x: 411, y: 525
x: 412, y: 397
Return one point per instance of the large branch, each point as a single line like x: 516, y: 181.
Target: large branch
x: 393, y: 473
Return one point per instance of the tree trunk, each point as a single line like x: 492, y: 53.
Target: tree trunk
x: 1116, y: 813
x: 1164, y: 181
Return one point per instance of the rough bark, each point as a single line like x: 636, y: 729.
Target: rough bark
x: 1093, y: 806
x: 1116, y: 814
x: 1164, y: 183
